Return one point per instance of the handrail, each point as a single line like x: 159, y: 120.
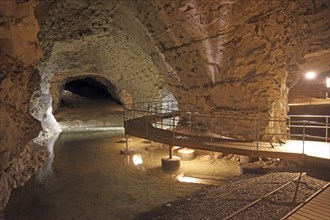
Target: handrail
x: 309, y: 116
x: 300, y: 126
x: 213, y: 115
x: 214, y: 123
x: 217, y: 127
x: 307, y: 124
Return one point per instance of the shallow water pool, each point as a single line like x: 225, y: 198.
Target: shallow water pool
x: 85, y: 177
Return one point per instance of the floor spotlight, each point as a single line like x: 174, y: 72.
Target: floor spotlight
x: 310, y: 75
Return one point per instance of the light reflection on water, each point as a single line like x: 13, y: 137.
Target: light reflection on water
x: 85, y: 177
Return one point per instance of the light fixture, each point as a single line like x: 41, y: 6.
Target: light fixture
x: 185, y: 179
x: 186, y: 154
x: 328, y: 82
x: 310, y: 75
x: 137, y: 159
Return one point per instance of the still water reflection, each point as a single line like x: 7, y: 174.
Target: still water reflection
x: 85, y: 177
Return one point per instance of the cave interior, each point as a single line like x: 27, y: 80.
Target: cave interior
x: 77, y: 64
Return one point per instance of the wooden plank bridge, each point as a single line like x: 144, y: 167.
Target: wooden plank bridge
x: 316, y: 207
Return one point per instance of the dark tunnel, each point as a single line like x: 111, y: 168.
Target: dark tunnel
x: 89, y: 88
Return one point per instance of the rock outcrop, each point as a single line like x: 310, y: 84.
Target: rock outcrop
x: 98, y: 39
x: 229, y: 57
x: 19, y: 157
x: 237, y: 57
x: 18, y: 31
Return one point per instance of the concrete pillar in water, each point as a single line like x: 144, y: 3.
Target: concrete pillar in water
x: 171, y: 162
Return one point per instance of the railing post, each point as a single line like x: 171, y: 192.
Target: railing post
x: 286, y: 131
x: 170, y: 152
x: 147, y: 127
x: 161, y: 123
x: 304, y: 131
x: 258, y: 135
x: 126, y: 139
x: 326, y: 128
x: 211, y: 132
x: 221, y: 122
x: 124, y: 119
x: 255, y: 129
x: 156, y: 123
x: 189, y: 122
x: 173, y: 136
x: 289, y: 127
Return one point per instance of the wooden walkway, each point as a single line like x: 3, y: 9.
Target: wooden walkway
x: 316, y: 207
x: 141, y: 127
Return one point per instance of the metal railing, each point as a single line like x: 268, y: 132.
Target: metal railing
x: 213, y: 125
x: 253, y: 130
x: 311, y: 127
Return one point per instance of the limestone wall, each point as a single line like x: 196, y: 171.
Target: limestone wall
x: 18, y: 31
x: 237, y: 56
x: 99, y: 38
x: 19, y: 157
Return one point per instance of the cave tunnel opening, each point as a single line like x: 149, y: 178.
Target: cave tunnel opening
x: 86, y: 98
x: 89, y: 88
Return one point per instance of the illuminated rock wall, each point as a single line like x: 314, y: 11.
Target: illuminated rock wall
x: 237, y: 57
x: 19, y: 157
x: 100, y: 38
x: 229, y: 57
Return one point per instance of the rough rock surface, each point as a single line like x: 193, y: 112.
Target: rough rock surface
x: 231, y: 57
x: 20, y: 168
x: 19, y: 158
x: 234, y: 56
x: 18, y: 31
x: 97, y: 39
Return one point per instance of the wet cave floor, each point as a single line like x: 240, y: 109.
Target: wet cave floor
x: 85, y: 176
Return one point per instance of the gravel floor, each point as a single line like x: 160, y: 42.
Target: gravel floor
x: 220, y: 202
